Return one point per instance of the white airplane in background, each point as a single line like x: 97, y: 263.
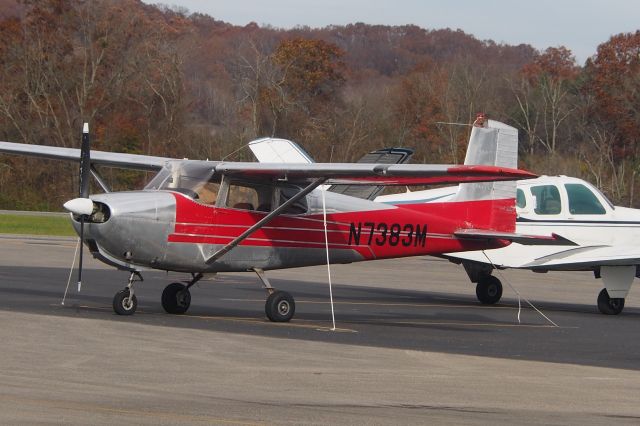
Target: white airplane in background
x: 606, y: 236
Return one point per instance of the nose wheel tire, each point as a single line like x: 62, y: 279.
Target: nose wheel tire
x: 176, y: 298
x: 280, y: 306
x: 608, y: 305
x: 123, y: 304
x: 489, y: 290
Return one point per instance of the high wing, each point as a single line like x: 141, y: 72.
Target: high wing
x: 111, y: 159
x: 366, y: 174
x: 580, y: 258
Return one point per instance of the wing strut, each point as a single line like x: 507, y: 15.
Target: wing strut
x: 98, y: 177
x: 268, y: 218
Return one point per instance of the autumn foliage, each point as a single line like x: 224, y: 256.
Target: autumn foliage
x: 161, y: 81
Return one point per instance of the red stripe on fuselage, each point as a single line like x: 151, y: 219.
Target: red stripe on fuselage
x: 408, y: 230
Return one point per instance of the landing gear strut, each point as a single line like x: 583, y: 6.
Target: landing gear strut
x: 280, y: 306
x: 609, y: 305
x: 489, y: 290
x: 125, y: 301
x: 176, y: 297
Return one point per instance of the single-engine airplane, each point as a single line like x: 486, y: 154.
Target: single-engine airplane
x: 605, y: 235
x: 201, y: 217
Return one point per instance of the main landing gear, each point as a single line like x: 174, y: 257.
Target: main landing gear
x: 176, y: 298
x: 280, y: 306
x: 488, y: 289
x: 609, y: 305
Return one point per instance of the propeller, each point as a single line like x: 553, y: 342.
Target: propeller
x: 82, y: 206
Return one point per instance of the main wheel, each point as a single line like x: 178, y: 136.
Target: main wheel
x: 280, y: 306
x: 608, y: 305
x: 123, y: 304
x: 489, y: 290
x: 176, y: 298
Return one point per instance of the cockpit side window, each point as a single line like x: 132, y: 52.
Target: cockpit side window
x: 208, y: 192
x: 547, y: 199
x: 248, y: 196
x: 582, y: 200
x: 521, y: 201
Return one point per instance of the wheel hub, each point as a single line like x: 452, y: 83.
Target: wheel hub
x: 283, y: 307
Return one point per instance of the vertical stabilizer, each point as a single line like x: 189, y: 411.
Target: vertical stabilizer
x: 494, y: 145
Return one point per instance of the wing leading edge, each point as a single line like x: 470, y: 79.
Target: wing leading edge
x: 111, y: 159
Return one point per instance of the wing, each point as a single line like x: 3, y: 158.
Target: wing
x: 111, y: 159
x: 366, y: 174
x: 588, y: 257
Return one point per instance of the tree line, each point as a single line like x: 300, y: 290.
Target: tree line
x: 162, y: 81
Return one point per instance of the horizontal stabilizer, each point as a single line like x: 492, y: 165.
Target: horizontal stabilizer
x: 527, y: 240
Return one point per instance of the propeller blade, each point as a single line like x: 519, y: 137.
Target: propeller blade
x: 85, y: 162
x: 83, y: 204
x: 81, y: 251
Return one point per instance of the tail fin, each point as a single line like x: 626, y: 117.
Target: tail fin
x: 494, y: 145
x: 497, y: 145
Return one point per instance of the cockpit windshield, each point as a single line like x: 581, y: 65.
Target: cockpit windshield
x: 193, y: 178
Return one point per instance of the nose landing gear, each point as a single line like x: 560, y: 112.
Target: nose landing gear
x: 125, y: 301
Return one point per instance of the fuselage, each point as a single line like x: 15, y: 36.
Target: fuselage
x: 168, y: 230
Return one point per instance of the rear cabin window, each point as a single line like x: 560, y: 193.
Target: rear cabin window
x: 547, y: 199
x: 582, y: 200
x: 299, y: 207
x: 521, y: 201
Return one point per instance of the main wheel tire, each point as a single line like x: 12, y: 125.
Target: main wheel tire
x: 176, y: 298
x: 280, y: 306
x: 489, y: 290
x: 608, y: 305
x: 123, y: 305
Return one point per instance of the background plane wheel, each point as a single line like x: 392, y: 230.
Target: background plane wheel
x: 280, y: 306
x: 489, y: 290
x: 176, y: 298
x: 122, y: 305
x: 608, y: 305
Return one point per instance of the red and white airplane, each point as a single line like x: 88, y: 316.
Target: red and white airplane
x: 201, y: 217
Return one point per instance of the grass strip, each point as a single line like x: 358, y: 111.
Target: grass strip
x: 59, y: 226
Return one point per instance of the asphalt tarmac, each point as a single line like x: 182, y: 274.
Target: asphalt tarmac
x: 411, y: 346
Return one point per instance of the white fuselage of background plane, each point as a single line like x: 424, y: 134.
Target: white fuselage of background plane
x: 567, y: 206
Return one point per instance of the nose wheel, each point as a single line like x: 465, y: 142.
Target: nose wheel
x: 125, y: 301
